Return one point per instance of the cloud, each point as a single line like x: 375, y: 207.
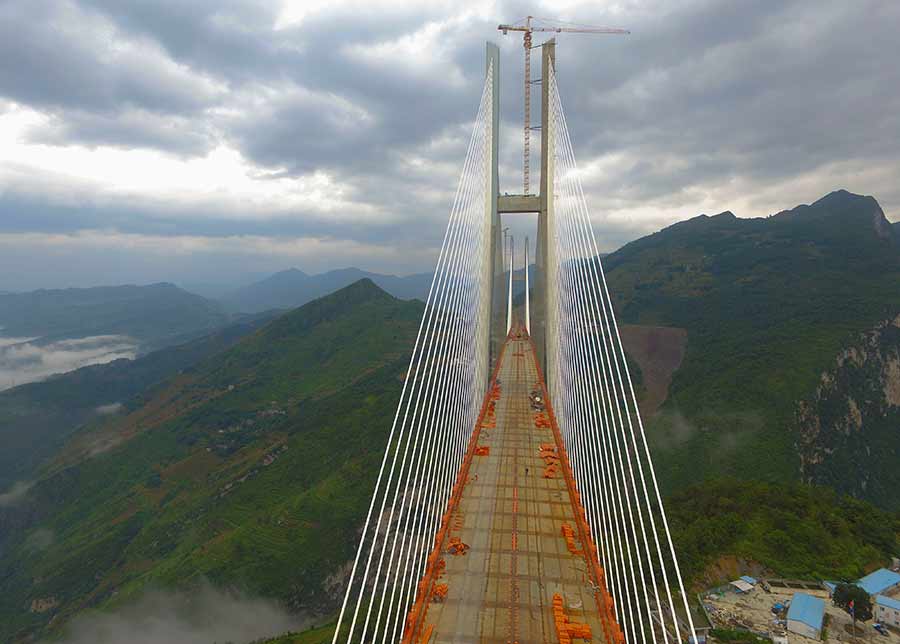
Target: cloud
x: 8, y: 342
x: 30, y: 361
x: 58, y: 54
x: 201, y: 616
x: 348, y: 120
x: 109, y: 410
x: 128, y: 128
x: 16, y: 493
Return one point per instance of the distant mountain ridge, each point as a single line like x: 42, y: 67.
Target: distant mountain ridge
x: 292, y: 288
x: 155, y: 315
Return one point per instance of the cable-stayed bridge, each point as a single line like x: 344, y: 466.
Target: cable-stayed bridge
x: 516, y: 500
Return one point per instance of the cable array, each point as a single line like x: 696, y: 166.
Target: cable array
x: 596, y: 407
x: 439, y: 404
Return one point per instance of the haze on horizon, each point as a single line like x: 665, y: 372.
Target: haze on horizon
x: 207, y: 141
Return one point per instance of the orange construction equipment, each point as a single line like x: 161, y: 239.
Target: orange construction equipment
x: 457, y: 547
x: 549, y: 454
x: 568, y: 534
x: 566, y: 630
x: 426, y: 635
x: 541, y: 420
x: 551, y: 460
x: 439, y: 592
x: 482, y: 450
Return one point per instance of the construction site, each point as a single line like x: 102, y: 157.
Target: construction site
x: 763, y: 608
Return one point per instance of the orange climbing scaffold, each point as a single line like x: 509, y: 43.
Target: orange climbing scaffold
x: 569, y: 535
x: 567, y: 630
x: 551, y: 460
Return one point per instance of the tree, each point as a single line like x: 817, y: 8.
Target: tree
x: 854, y: 600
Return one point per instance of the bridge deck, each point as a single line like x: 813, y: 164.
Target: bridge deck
x: 512, y: 519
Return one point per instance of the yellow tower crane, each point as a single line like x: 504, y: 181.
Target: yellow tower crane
x: 528, y: 26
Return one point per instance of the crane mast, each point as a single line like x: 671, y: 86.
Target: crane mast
x: 526, y: 171
x: 527, y: 29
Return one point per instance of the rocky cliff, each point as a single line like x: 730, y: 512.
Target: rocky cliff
x: 849, y: 429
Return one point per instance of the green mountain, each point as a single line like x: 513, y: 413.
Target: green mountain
x: 36, y: 419
x: 156, y: 315
x: 768, y: 304
x: 251, y: 469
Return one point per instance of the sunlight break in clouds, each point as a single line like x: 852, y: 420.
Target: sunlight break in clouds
x: 222, y: 178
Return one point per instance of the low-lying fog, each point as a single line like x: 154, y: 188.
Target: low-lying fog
x: 24, y: 360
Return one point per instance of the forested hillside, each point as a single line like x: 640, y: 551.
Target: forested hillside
x: 250, y: 469
x: 37, y: 418
x: 767, y: 304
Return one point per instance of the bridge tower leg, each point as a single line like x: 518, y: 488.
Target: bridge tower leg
x: 544, y: 330
x: 497, y: 301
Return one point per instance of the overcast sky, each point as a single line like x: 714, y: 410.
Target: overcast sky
x: 212, y: 140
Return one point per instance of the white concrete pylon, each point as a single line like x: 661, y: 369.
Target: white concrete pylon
x: 509, y: 299
x: 527, y: 294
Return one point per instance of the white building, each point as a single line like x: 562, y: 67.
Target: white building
x: 887, y: 610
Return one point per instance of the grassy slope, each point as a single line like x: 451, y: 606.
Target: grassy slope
x: 190, y: 496
x: 767, y: 303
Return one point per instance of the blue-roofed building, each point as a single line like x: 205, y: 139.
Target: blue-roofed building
x: 749, y: 579
x: 805, y: 615
x: 887, y: 610
x: 879, y: 582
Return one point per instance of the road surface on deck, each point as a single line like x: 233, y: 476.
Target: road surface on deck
x: 512, y: 518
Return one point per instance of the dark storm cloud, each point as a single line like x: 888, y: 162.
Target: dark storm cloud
x: 25, y: 213
x: 127, y: 129
x: 55, y: 54
x: 705, y: 103
x: 758, y: 90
